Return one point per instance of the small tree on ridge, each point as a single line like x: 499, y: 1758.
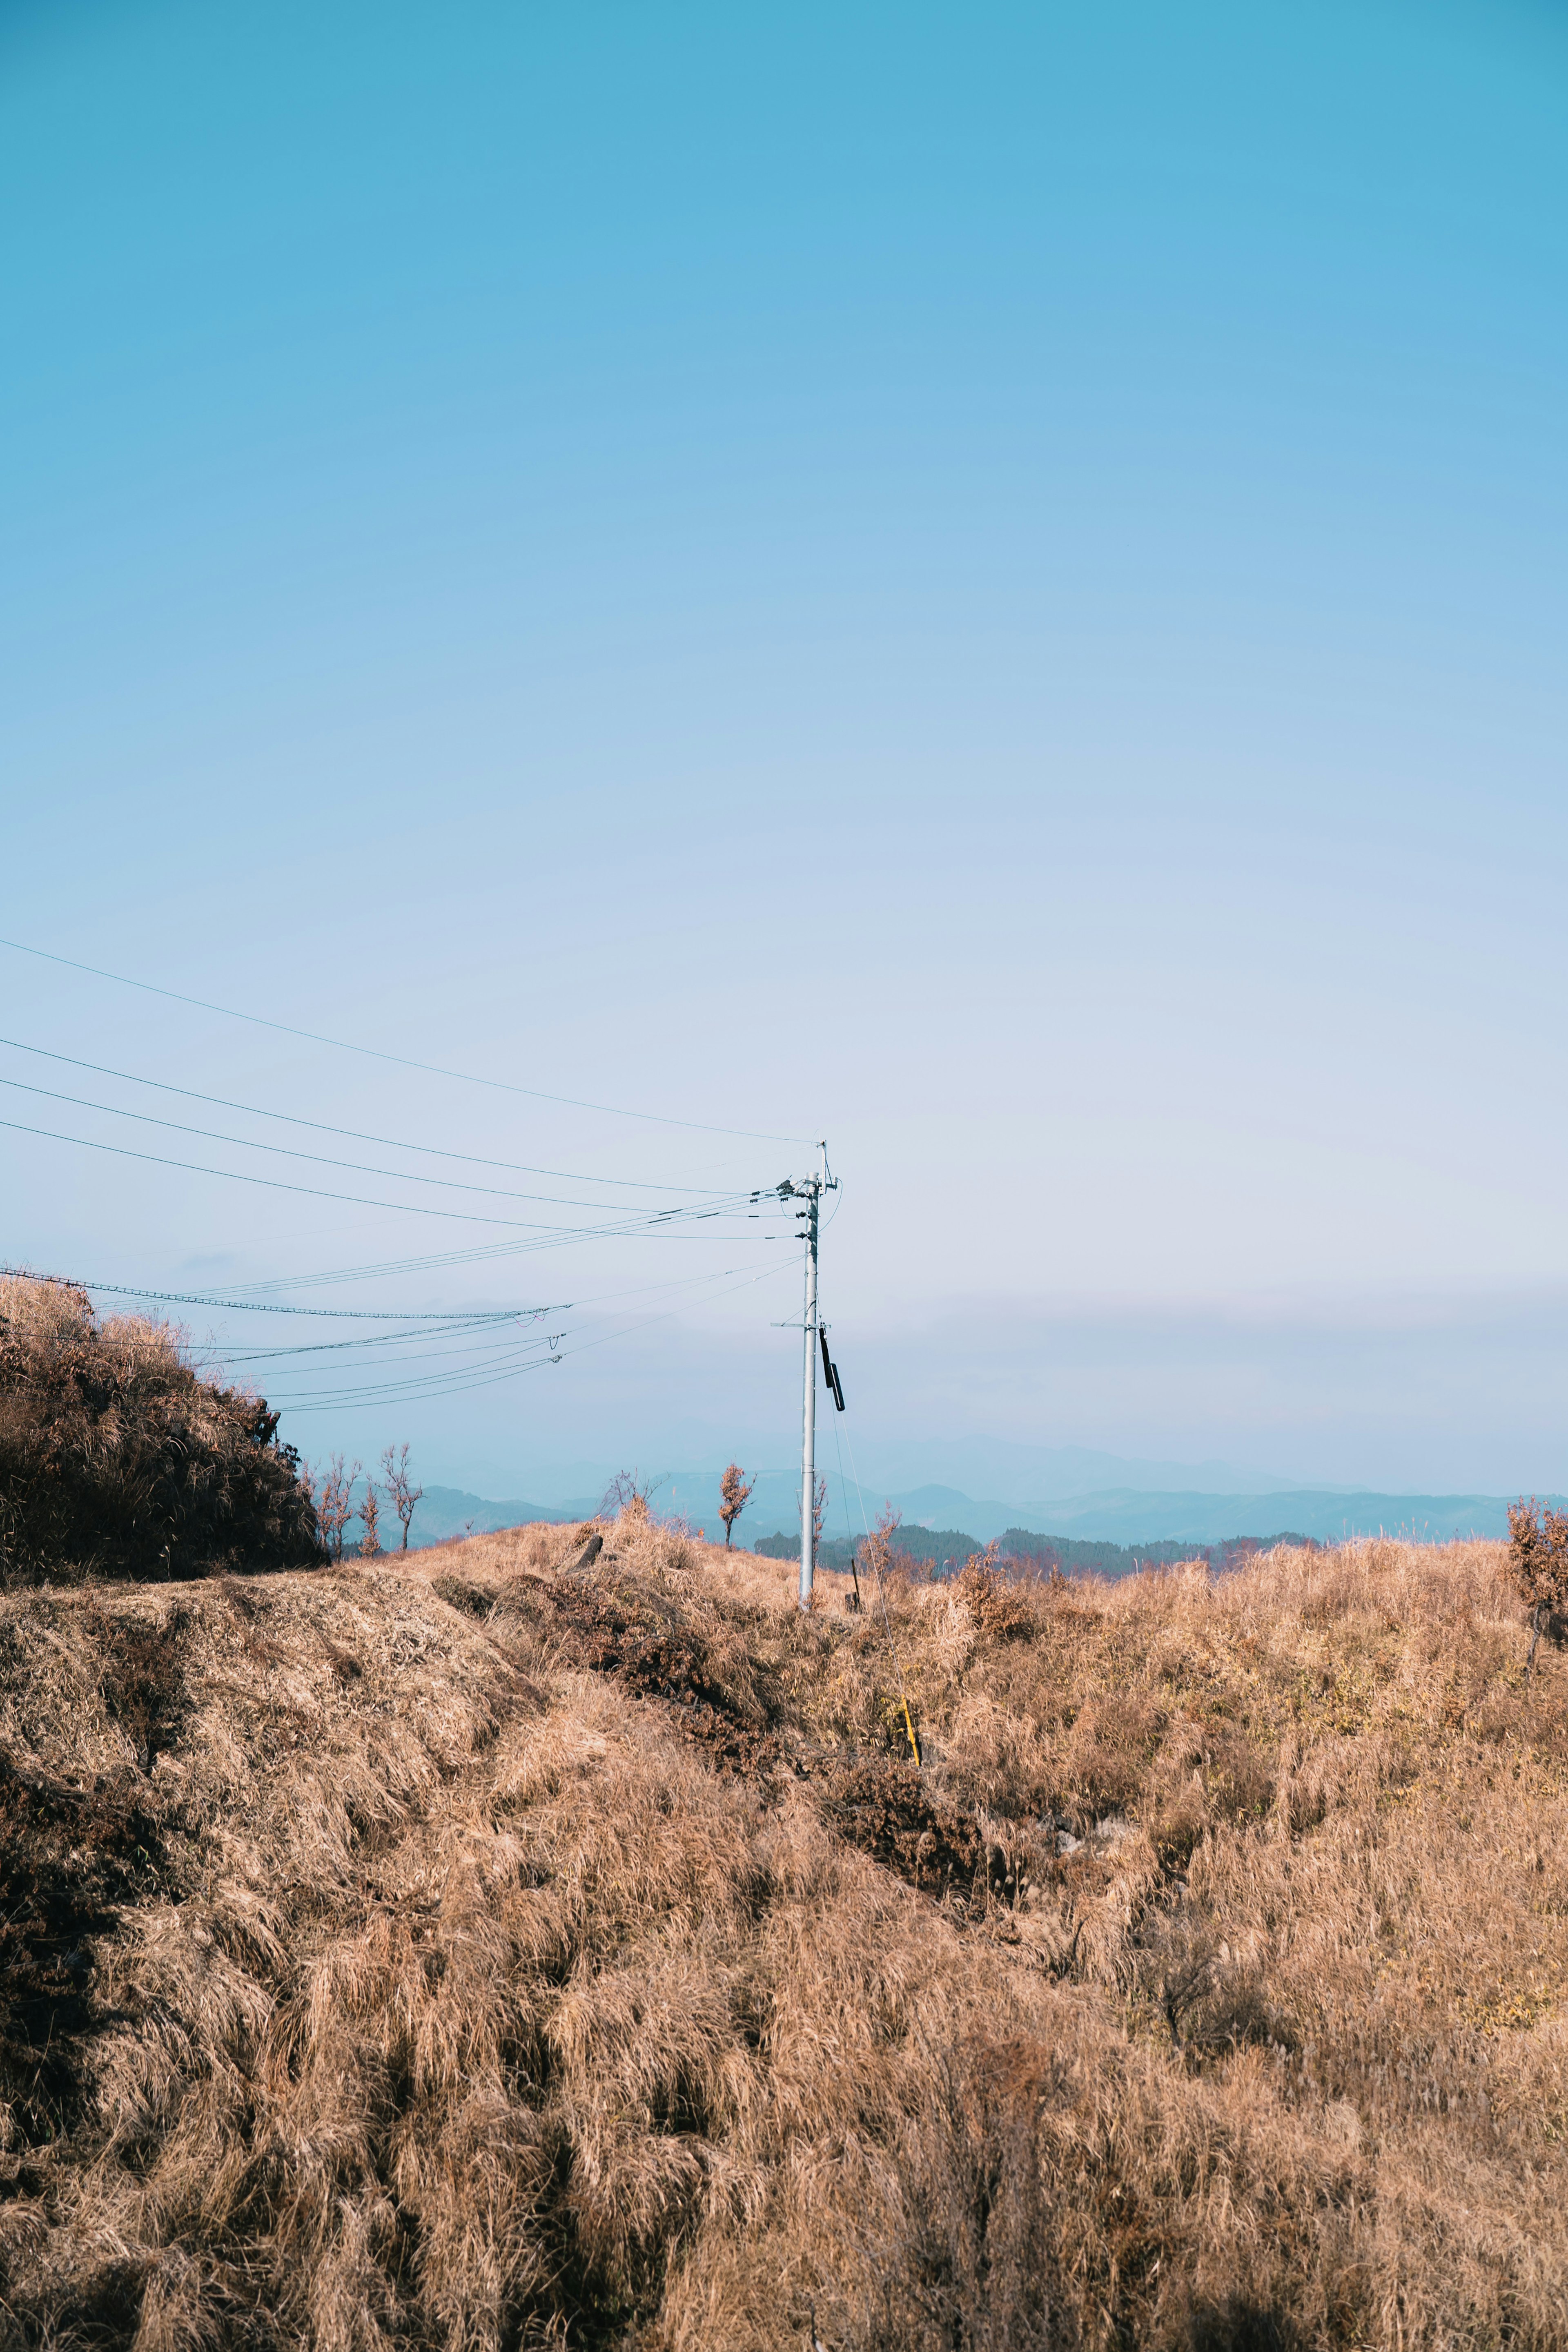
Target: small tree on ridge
x: 734, y: 1494
x: 400, y: 1487
x: 334, y: 1504
x: 1538, y: 1562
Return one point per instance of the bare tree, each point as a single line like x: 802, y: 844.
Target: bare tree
x: 334, y: 1504
x: 880, y: 1545
x: 370, y: 1512
x: 400, y: 1487
x: 1538, y: 1562
x: 628, y: 1491
x: 819, y: 1510
x: 734, y: 1494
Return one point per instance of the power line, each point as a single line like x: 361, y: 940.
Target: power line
x: 371, y: 1315
x: 479, y: 1364
x: 401, y: 1061
x: 355, y: 1200
x: 415, y: 1382
x: 265, y: 1307
x: 352, y: 1134
x: 214, y: 1351
x: 451, y: 1384
x: 324, y: 1159
x: 474, y: 1323
x: 482, y: 1254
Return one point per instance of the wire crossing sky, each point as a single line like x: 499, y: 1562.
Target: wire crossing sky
x: 596, y: 591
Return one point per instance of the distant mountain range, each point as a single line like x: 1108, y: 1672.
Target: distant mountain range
x: 1130, y: 1515
x: 1122, y: 1515
x: 448, y: 1511
x: 1029, y: 1477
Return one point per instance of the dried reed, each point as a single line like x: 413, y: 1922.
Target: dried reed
x: 484, y: 1954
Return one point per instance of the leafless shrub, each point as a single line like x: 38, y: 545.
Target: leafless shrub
x: 335, y: 1501
x: 400, y: 1487
x: 1538, y: 1563
x: 629, y: 1493
x: 879, y: 1552
x: 997, y: 1608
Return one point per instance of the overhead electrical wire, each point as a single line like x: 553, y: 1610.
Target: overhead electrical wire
x: 323, y: 1160
x: 265, y: 1307
x: 440, y: 1261
x: 410, y: 1383
x: 482, y: 1354
x: 355, y: 1200
x: 480, y: 1361
x: 471, y: 1331
x: 352, y: 1134
x: 874, y: 1561
x: 401, y: 1061
x: 377, y: 1315
x: 478, y: 1333
x: 451, y: 1385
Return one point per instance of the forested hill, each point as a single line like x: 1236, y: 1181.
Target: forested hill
x: 946, y: 1550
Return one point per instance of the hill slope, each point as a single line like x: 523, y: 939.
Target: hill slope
x: 473, y: 1953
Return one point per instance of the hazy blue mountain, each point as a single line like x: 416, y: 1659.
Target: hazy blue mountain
x: 1125, y: 1517
x: 1020, y: 1475
x: 446, y: 1511
x: 1121, y: 1514
x: 1129, y: 1516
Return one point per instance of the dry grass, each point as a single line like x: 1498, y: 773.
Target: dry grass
x: 117, y: 1458
x: 469, y: 1953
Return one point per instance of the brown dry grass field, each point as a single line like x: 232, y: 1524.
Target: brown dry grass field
x: 461, y: 1951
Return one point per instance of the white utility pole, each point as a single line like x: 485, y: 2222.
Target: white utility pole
x: 808, y: 1191
x: 808, y: 1407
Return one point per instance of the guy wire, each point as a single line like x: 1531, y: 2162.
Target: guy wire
x: 882, y: 1596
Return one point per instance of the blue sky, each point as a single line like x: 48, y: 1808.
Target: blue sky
x: 989, y: 583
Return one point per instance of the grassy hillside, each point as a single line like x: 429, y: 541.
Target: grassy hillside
x: 468, y: 1952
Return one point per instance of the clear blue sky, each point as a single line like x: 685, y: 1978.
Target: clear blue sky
x: 988, y: 582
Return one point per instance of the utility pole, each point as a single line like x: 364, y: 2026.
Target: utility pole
x: 809, y: 1401
x: 808, y: 1191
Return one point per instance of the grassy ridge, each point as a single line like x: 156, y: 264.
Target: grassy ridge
x: 471, y: 1952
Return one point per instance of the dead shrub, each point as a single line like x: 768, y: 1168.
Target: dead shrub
x: 997, y: 1606
x: 116, y: 1459
x: 1538, y: 1563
